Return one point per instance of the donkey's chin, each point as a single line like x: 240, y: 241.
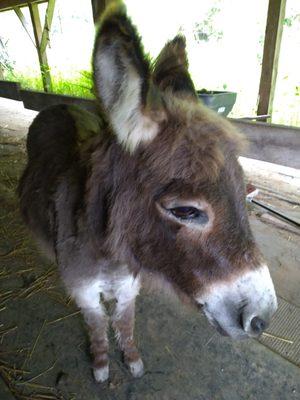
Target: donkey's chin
x: 234, y: 332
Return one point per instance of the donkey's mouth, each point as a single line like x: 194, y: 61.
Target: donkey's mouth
x: 218, y: 327
x: 231, y: 330
x: 234, y: 333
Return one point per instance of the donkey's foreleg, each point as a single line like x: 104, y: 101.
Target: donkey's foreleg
x: 123, y: 324
x: 88, y: 299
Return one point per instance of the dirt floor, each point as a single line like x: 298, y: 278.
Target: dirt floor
x: 44, y: 345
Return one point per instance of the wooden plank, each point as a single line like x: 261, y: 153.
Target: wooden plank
x: 47, y: 25
x: 278, y: 144
x: 6, y: 5
x: 35, y: 100
x: 98, y: 7
x: 37, y: 30
x: 273, y: 35
x: 24, y: 23
x: 10, y: 90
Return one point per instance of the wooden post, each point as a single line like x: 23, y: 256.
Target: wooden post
x: 98, y: 7
x: 37, y: 30
x: 47, y: 25
x: 276, y: 13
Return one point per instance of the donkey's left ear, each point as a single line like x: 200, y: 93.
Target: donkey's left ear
x: 171, y: 69
x: 122, y: 78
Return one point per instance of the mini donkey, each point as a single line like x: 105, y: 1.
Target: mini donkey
x: 151, y: 187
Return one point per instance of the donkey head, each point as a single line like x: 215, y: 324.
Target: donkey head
x: 178, y: 200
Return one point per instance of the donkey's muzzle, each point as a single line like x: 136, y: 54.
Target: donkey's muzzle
x: 255, y: 326
x: 258, y: 325
x: 243, y: 307
x: 239, y: 326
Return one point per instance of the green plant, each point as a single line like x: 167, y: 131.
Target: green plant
x: 79, y: 84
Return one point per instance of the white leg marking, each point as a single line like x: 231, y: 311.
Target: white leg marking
x: 101, y: 374
x: 126, y: 291
x: 88, y: 298
x: 136, y: 368
x: 123, y: 323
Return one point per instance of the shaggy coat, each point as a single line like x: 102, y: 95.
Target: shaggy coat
x: 151, y: 185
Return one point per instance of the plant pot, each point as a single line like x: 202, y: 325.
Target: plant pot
x: 221, y: 102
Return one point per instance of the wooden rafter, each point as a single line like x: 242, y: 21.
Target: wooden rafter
x: 274, y: 28
x: 24, y: 23
x: 6, y: 5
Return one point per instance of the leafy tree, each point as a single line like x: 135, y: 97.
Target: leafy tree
x: 205, y: 31
x: 6, y: 64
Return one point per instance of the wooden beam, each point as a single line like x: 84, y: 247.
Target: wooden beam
x: 6, y: 5
x: 22, y: 18
x: 276, y: 13
x: 37, y: 30
x: 47, y: 25
x: 10, y: 90
x: 35, y: 100
x: 276, y: 144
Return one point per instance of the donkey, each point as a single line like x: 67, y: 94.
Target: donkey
x: 151, y: 187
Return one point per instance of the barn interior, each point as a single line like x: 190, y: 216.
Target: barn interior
x: 44, y: 347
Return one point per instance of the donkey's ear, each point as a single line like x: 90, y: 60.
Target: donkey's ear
x: 171, y: 69
x: 122, y: 77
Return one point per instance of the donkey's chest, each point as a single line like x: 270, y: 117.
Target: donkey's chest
x: 119, y: 284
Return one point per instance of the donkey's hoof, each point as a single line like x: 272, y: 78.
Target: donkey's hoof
x: 101, y: 374
x: 136, y: 368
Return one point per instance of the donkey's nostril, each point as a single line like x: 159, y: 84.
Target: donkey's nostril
x: 258, y: 325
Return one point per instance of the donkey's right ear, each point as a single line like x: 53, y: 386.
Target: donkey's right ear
x: 171, y: 69
x: 122, y: 77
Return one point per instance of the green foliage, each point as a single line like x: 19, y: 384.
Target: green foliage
x: 80, y: 85
x: 288, y: 21
x: 6, y: 64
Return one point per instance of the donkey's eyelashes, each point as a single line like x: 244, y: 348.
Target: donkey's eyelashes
x: 187, y: 213
x: 191, y: 213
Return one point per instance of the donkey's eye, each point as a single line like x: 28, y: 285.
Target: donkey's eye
x: 189, y: 213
